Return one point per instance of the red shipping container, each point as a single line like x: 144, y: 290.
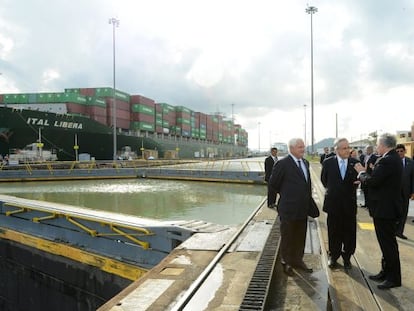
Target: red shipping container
x: 87, y: 91
x: 120, y: 114
x: 120, y: 105
x: 142, y: 117
x: 76, y: 108
x: 139, y: 99
x: 123, y: 124
x: 96, y: 111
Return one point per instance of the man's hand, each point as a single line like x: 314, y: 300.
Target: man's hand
x: 359, y: 168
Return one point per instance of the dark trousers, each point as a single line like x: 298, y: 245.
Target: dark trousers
x: 364, y: 189
x: 341, y: 235
x: 271, y: 196
x: 385, y: 230
x: 403, y: 219
x: 293, y: 238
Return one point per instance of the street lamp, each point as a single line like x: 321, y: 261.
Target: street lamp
x: 115, y: 23
x: 312, y: 10
x: 304, y: 136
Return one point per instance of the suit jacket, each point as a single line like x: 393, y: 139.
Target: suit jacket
x: 408, y: 179
x: 326, y: 156
x: 288, y: 180
x: 340, y: 195
x: 269, y: 162
x: 384, y: 185
x: 372, y: 159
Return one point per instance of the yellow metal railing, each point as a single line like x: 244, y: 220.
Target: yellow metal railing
x: 145, y: 245
x: 75, y: 220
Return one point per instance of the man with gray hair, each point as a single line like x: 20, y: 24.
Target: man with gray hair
x: 340, y: 203
x: 291, y: 179
x: 384, y: 185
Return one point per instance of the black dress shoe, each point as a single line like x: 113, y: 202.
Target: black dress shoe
x: 378, y: 277
x: 272, y: 206
x: 332, y: 263
x: 287, y: 269
x: 302, y: 266
x: 402, y: 236
x: 388, y: 284
x: 347, y: 264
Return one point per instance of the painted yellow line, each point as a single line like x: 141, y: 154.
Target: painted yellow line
x: 366, y: 226
x: 106, y: 264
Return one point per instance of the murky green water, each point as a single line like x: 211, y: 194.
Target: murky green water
x: 165, y: 200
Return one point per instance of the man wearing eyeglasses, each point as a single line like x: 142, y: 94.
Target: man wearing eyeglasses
x: 407, y: 189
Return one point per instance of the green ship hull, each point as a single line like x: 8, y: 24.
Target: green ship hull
x: 61, y: 132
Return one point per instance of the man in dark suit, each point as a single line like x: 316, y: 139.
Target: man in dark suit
x: 269, y: 162
x: 327, y: 153
x: 324, y: 154
x: 340, y: 203
x: 369, y: 161
x: 291, y: 180
x: 407, y: 190
x: 385, y: 207
x: 361, y: 156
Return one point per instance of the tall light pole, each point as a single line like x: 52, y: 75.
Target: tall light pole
x: 312, y: 10
x: 232, y: 123
x: 115, y: 23
x: 336, y: 125
x: 304, y: 136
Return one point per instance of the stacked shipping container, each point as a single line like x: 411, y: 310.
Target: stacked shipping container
x: 142, y: 113
x: 137, y: 113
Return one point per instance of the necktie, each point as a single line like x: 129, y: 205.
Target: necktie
x: 342, y: 168
x: 302, y: 169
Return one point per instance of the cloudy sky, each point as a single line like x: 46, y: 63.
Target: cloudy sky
x: 248, y: 58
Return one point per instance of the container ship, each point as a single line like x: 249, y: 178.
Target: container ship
x: 81, y: 121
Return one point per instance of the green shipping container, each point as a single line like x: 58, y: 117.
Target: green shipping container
x: 166, y: 108
x: 183, y: 109
x: 107, y: 92
x: 74, y: 98
x: 143, y: 109
x: 94, y: 101
x: 15, y: 98
x: 72, y: 90
x: 143, y: 126
x: 183, y: 121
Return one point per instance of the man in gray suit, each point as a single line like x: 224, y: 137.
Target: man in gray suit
x: 407, y: 190
x: 291, y: 180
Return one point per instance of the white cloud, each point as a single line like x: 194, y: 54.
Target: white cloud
x: 208, y: 55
